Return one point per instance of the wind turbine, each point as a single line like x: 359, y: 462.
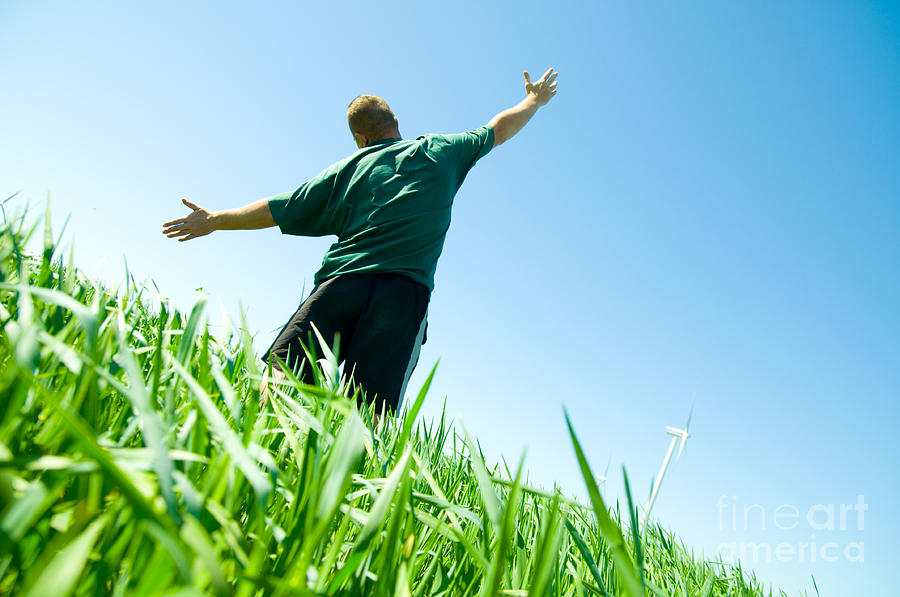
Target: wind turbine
x: 676, y: 434
x: 601, y: 479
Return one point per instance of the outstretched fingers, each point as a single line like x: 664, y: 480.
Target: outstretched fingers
x: 545, y: 86
x: 174, y: 225
x: 179, y: 227
x: 183, y: 236
x: 175, y: 232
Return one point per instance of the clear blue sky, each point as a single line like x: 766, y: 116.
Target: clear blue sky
x: 707, y: 212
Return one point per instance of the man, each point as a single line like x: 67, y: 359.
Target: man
x: 389, y: 205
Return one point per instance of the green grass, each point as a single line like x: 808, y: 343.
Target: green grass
x: 135, y: 460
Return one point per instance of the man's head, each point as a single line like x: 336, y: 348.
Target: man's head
x: 371, y: 119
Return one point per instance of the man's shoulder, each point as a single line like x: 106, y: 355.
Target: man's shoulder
x: 481, y: 134
x: 467, y: 146
x: 480, y: 130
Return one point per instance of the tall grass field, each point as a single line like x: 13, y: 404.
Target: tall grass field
x: 135, y: 459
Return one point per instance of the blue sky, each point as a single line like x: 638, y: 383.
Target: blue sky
x: 707, y: 213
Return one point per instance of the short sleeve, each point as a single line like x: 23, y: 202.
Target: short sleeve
x: 464, y: 149
x: 307, y: 211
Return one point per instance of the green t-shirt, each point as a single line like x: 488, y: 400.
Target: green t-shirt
x: 388, y: 203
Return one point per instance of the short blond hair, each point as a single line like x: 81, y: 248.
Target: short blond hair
x: 370, y: 116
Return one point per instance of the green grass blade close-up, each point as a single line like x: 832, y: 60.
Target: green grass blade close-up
x: 137, y: 459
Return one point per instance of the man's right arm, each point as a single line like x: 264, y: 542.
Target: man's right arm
x: 304, y: 211
x: 509, y: 122
x: 201, y: 222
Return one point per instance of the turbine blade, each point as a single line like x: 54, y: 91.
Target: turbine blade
x: 681, y: 447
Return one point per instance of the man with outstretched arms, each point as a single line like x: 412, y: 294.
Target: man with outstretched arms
x: 389, y: 206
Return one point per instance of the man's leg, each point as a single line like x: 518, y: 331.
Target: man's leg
x: 333, y: 307
x: 414, y: 357
x: 386, y: 337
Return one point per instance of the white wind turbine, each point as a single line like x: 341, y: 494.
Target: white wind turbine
x: 601, y: 479
x: 676, y: 434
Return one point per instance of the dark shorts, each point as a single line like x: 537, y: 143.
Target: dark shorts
x: 380, y: 321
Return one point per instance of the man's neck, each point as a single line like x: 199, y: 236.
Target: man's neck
x: 395, y: 134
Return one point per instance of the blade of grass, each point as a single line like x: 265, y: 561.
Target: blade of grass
x: 413, y: 412
x: 60, y: 576
x: 345, y: 456
x: 137, y: 395
x: 708, y: 585
x: 491, y: 587
x: 241, y: 458
x: 547, y: 551
x: 585, y: 552
x: 186, y: 343
x: 193, y: 533
x: 609, y: 530
x: 81, y: 432
x: 382, y: 504
x: 488, y: 495
x: 635, y: 528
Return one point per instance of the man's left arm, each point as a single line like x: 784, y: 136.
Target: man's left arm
x: 509, y: 122
x: 201, y: 222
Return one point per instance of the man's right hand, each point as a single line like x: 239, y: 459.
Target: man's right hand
x: 544, y: 88
x: 197, y: 223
